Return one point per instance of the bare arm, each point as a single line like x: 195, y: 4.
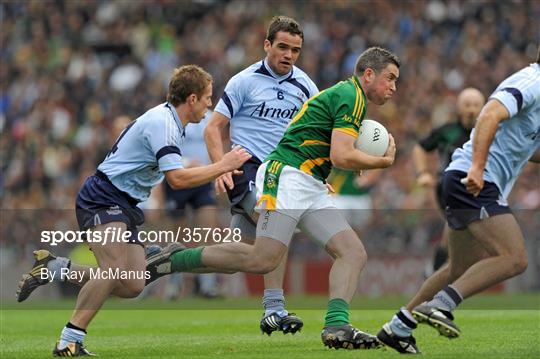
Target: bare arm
x: 216, y: 134
x: 192, y: 177
x: 344, y: 155
x: 488, y: 121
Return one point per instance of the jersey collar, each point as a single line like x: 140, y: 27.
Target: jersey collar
x: 176, y: 118
x: 266, y: 70
x: 357, y: 84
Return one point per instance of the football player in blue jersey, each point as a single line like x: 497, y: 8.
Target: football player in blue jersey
x: 486, y: 245
x: 257, y: 105
x: 148, y: 150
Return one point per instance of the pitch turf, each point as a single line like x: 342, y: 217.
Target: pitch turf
x: 498, y: 332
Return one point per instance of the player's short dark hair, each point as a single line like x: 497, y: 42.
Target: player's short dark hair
x: 283, y: 23
x: 187, y: 80
x: 375, y: 58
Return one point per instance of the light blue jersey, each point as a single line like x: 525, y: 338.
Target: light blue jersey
x: 149, y: 146
x: 517, y: 138
x: 260, y: 105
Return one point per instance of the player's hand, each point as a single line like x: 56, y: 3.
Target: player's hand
x: 390, y: 153
x: 474, y: 182
x: 426, y: 180
x: 330, y: 188
x: 223, y: 182
x: 235, y: 158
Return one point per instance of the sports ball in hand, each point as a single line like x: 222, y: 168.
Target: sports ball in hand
x: 373, y: 138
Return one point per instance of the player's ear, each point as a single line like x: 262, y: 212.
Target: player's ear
x: 369, y: 74
x: 267, y: 45
x: 191, y: 99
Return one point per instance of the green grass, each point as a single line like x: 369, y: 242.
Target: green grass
x: 233, y: 333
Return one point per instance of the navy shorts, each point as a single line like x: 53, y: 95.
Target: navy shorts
x: 243, y: 184
x: 100, y: 202
x: 462, y: 208
x: 197, y: 197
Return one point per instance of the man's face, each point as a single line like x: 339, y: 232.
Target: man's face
x: 283, y: 52
x: 381, y: 86
x: 470, y: 103
x: 201, y: 104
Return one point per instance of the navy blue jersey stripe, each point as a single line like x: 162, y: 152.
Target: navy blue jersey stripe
x: 517, y: 94
x: 300, y: 86
x: 263, y: 71
x: 167, y: 150
x: 228, y: 102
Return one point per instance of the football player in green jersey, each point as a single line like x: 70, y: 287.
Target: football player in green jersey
x: 291, y: 192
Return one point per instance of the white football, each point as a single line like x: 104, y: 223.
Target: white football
x: 373, y: 138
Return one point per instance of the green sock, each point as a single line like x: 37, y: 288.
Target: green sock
x: 337, y: 313
x: 187, y: 260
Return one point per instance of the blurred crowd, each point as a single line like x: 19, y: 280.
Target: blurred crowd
x: 74, y: 72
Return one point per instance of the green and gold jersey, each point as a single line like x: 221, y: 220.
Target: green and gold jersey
x: 306, y: 142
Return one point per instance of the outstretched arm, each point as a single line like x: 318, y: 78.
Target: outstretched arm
x: 182, y: 178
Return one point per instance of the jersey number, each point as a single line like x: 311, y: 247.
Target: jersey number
x: 280, y: 95
x: 114, y: 148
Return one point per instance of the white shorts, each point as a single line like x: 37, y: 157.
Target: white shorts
x: 297, y: 192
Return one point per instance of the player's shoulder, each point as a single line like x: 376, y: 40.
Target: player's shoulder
x: 248, y: 77
x: 156, y: 117
x: 300, y: 75
x: 250, y: 72
x: 344, y: 90
x: 525, y: 80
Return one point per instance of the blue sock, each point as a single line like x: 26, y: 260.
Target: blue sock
x: 71, y: 334
x: 274, y: 302
x: 56, y: 265
x: 403, y: 323
x: 447, y: 299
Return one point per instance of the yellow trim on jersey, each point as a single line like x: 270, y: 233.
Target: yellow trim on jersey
x: 359, y: 96
x: 304, y: 108
x: 355, y: 104
x: 274, y: 167
x: 348, y: 131
x: 314, y: 142
x: 270, y: 201
x: 308, y: 165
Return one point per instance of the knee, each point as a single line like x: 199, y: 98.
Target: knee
x: 264, y: 265
x: 355, y: 254
x: 132, y: 287
x: 519, y: 263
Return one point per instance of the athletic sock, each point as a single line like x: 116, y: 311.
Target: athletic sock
x: 274, y: 302
x: 71, y: 334
x: 187, y: 260
x: 447, y: 299
x: 56, y: 265
x: 403, y: 323
x: 337, y: 313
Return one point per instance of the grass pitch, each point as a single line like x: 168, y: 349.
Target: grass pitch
x: 200, y: 329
